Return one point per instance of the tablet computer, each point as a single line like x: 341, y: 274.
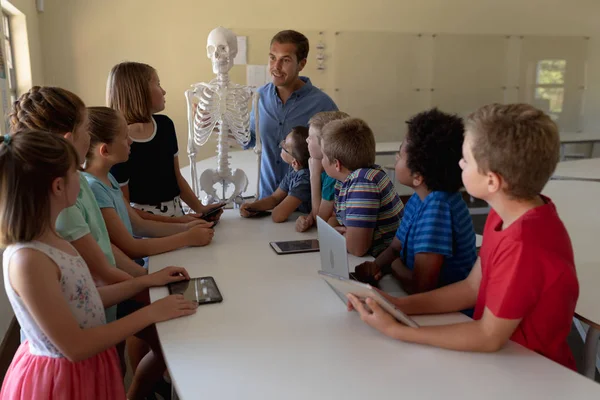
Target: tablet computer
x: 212, y: 212
x: 295, y: 246
x: 258, y: 214
x: 201, y: 290
x: 362, y: 291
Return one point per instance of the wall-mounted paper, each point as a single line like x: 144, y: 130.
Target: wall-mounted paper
x: 257, y: 75
x: 241, y: 58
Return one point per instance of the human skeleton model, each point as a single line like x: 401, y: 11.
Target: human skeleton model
x: 220, y: 106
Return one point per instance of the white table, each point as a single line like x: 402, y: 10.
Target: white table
x: 577, y: 205
x: 390, y: 148
x: 578, y: 138
x: 580, y: 170
x: 478, y: 240
x: 387, y: 148
x: 281, y: 333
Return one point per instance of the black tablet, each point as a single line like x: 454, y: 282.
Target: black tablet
x: 213, y: 211
x: 257, y: 214
x: 201, y: 290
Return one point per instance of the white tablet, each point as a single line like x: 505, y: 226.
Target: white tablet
x: 362, y: 291
x: 295, y: 246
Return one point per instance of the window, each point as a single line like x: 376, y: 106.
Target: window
x: 10, y: 65
x: 550, y: 86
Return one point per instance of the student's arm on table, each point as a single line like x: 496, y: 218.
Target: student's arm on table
x: 284, y: 209
x: 488, y: 334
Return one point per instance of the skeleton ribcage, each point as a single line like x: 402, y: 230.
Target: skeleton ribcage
x: 232, y: 111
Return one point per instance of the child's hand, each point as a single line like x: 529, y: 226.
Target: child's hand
x: 390, y: 298
x: 170, y: 307
x: 386, y: 296
x: 167, y: 275
x: 244, y: 210
x: 304, y: 222
x: 198, y: 222
x: 200, y: 236
x: 368, y: 270
x: 377, y: 317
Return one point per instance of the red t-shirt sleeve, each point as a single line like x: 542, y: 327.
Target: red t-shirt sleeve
x: 514, y: 287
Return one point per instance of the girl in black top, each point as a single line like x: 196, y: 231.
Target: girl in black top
x: 151, y: 178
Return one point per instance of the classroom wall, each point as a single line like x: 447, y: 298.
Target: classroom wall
x: 28, y: 54
x: 82, y: 39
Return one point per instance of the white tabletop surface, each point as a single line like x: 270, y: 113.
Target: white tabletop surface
x: 572, y: 137
x: 478, y: 240
x: 578, y: 207
x: 565, y: 137
x: 580, y: 169
x: 281, y: 333
x: 387, y: 147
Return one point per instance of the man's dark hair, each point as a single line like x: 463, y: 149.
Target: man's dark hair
x: 295, y: 38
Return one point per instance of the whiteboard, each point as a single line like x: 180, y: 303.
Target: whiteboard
x: 468, y: 71
x: 377, y: 78
x: 386, y: 77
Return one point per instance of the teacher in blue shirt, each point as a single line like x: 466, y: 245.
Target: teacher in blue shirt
x: 289, y: 101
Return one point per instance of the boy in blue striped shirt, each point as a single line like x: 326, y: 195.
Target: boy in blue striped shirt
x: 366, y: 206
x: 435, y: 243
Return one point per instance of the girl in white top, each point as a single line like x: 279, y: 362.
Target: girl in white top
x: 69, y: 352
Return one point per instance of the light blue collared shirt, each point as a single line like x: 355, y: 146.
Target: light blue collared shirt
x: 277, y: 120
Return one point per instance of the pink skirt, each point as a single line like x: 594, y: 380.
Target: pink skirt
x: 40, y: 377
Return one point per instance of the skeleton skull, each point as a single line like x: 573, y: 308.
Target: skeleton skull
x: 221, y: 48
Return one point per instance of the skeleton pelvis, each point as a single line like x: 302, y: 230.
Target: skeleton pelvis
x: 211, y: 177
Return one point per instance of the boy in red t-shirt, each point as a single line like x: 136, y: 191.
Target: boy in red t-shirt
x: 524, y: 285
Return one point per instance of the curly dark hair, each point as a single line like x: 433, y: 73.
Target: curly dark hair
x: 434, y: 148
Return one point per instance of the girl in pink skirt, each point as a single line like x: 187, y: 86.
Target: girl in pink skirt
x: 69, y: 352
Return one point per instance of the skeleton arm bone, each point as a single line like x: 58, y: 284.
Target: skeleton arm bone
x: 191, y: 148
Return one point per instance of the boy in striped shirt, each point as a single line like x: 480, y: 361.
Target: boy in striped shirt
x: 366, y: 206
x: 435, y: 243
